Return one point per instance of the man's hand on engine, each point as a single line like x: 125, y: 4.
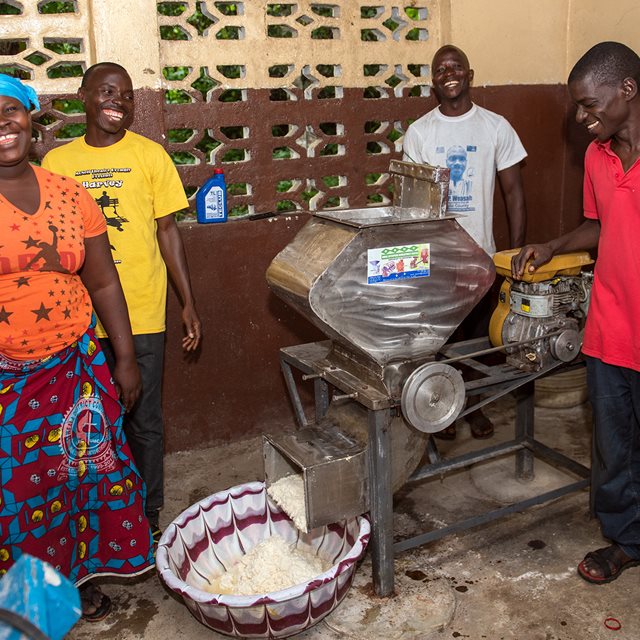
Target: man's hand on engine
x: 537, y: 253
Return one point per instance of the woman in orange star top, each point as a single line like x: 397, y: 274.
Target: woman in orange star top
x: 70, y: 493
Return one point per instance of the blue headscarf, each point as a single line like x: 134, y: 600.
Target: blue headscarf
x: 14, y: 88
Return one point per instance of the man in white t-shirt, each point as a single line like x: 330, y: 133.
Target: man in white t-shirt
x: 476, y: 144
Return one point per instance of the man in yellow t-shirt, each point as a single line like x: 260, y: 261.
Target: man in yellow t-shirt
x: 137, y: 187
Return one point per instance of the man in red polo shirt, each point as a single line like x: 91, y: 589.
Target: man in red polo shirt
x: 604, y: 86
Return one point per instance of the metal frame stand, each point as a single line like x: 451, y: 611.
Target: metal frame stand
x: 496, y: 381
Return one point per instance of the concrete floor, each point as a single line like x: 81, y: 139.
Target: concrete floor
x: 511, y: 579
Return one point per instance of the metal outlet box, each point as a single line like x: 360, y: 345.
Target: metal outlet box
x: 333, y: 467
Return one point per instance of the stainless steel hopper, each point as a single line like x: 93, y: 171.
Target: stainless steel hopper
x: 388, y: 285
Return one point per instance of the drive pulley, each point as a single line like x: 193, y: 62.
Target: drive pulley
x: 433, y: 396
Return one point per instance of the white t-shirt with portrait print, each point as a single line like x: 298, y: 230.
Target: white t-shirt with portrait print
x: 474, y: 146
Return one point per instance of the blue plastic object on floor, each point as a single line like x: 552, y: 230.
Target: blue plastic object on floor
x: 37, y: 602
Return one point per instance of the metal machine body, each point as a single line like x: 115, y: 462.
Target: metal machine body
x: 379, y: 282
x: 389, y: 286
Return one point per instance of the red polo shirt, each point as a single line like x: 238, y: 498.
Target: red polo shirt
x: 613, y: 197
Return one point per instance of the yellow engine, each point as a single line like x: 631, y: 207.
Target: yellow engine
x: 545, y: 310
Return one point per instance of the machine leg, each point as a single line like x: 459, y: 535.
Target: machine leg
x: 432, y: 451
x: 298, y: 411
x: 525, y: 397
x: 321, y: 394
x: 381, y: 501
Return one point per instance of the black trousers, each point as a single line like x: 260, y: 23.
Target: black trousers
x: 143, y: 425
x: 615, y: 398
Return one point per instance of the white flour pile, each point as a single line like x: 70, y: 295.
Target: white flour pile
x: 272, y: 565
x: 288, y: 492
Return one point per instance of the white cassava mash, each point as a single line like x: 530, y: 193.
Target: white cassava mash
x: 272, y: 565
x: 288, y: 492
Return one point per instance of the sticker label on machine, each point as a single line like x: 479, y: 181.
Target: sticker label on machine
x: 394, y: 263
x: 532, y: 306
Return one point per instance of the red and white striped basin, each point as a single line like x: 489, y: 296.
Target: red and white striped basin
x: 216, y: 532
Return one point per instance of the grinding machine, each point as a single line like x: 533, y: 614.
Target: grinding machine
x: 389, y: 286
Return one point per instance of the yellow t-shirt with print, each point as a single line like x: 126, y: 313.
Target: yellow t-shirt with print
x: 134, y: 183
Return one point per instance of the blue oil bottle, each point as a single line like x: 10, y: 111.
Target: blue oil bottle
x: 211, y: 199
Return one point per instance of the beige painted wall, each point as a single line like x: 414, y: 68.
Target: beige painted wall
x: 509, y: 42
x: 537, y: 41
x: 131, y: 38
x: 594, y: 21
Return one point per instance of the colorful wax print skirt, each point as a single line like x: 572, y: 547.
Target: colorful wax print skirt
x: 70, y: 493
